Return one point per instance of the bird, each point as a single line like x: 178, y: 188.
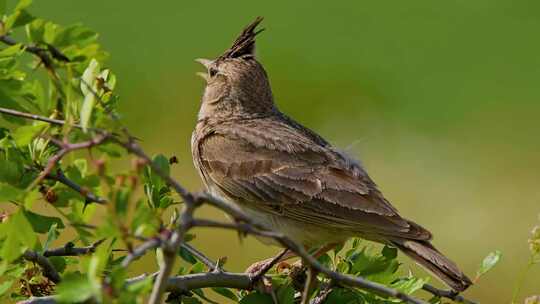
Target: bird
x: 286, y: 176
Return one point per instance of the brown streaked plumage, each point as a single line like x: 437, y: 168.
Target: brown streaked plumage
x: 287, y: 176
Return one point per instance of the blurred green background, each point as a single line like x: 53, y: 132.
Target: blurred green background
x: 439, y: 99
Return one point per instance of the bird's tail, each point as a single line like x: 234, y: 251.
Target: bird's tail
x: 435, y: 262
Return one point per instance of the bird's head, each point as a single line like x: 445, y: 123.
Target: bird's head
x: 236, y: 83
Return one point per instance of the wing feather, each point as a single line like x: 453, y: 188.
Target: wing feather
x: 281, y: 170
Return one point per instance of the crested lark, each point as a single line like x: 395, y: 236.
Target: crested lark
x: 287, y: 176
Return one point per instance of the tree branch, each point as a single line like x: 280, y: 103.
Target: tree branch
x: 243, y: 223
x: 65, y: 149
x: 70, y: 250
x: 11, y: 112
x: 141, y: 250
x: 62, y: 178
x: 46, y: 266
x: 41, y: 53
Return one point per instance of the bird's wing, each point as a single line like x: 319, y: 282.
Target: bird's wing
x: 276, y: 167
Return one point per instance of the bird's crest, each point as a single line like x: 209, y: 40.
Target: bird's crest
x: 245, y: 42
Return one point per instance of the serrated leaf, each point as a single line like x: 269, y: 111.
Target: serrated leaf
x: 12, y: 51
x: 42, y: 223
x: 20, y: 236
x: 409, y: 285
x: 489, y: 262
x: 24, y: 135
x: 9, y: 193
x: 74, y: 288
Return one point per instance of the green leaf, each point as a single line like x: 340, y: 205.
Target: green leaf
x: 186, y: 256
x: 11, y: 171
x: 409, y: 285
x: 285, y: 294
x: 42, y: 223
x: 52, y: 235
x: 23, y: 4
x: 88, y: 88
x: 142, y: 286
x: 389, y: 252
x: 20, y: 236
x: 489, y: 262
x: 58, y: 262
x: 9, y: 193
x: 122, y: 200
x: 24, y: 135
x: 374, y: 267
x: 256, y: 298
x: 197, y: 268
x: 227, y: 293
x: 4, y: 286
x: 75, y: 34
x: 35, y: 30
x: 19, y: 18
x: 11, y: 51
x: 74, y: 288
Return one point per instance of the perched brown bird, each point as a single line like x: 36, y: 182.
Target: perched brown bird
x: 288, y: 177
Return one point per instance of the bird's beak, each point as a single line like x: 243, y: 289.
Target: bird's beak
x: 205, y: 62
x: 202, y: 75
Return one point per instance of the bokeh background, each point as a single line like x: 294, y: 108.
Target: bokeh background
x: 440, y: 100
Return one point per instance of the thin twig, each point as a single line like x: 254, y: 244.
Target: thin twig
x: 46, y: 266
x: 201, y: 257
x: 62, y: 178
x: 53, y: 121
x: 70, y: 250
x: 141, y: 250
x: 449, y: 294
x: 260, y: 273
x: 41, y: 53
x: 65, y: 149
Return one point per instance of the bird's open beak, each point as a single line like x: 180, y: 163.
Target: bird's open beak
x: 205, y: 62
x: 202, y: 75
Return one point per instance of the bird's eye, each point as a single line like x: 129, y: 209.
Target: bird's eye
x: 212, y: 72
